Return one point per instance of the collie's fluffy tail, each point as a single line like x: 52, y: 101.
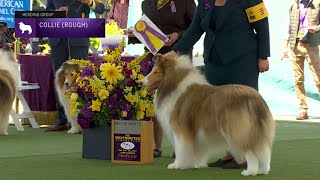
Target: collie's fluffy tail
x: 7, y: 89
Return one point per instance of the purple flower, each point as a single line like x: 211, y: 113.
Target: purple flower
x: 84, y: 122
x: 147, y: 118
x: 127, y: 71
x: 87, y: 112
x: 97, y: 60
x: 146, y: 66
x: 87, y: 72
x: 88, y: 95
x: 129, y: 116
x: 112, y: 101
x: 115, y: 116
x: 129, y: 83
x: 125, y: 106
x: 207, y: 5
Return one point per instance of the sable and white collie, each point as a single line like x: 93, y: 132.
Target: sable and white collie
x: 9, y: 77
x: 63, y: 81
x: 199, y: 117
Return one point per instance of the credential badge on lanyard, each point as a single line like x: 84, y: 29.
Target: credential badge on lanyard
x: 303, y: 16
x: 173, y: 7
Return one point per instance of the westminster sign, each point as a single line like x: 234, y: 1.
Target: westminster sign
x: 9, y: 7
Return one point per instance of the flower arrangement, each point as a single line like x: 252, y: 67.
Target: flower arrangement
x: 112, y: 28
x: 107, y: 88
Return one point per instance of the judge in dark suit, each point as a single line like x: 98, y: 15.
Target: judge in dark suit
x: 172, y: 17
x: 236, y: 45
x: 63, y: 49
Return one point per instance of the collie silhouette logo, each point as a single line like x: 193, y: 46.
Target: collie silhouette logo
x: 25, y: 27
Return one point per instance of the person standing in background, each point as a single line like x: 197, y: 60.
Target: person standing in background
x: 63, y: 49
x: 3, y: 29
x: 172, y: 17
x: 302, y: 43
x: 119, y: 13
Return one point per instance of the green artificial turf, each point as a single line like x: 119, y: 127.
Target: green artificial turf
x: 34, y: 154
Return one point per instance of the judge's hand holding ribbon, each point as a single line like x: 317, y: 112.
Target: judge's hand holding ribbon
x: 129, y: 33
x: 85, y: 1
x: 172, y: 38
x: 63, y: 8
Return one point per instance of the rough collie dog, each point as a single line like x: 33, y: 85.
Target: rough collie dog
x: 199, y: 117
x: 9, y: 76
x: 64, y: 78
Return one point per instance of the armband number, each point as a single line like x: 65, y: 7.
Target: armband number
x: 257, y: 12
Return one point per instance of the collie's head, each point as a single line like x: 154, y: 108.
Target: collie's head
x: 170, y: 68
x: 65, y: 76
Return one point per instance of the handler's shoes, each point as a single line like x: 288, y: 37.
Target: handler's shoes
x: 302, y: 116
x: 57, y: 128
x: 234, y: 165
x: 157, y: 153
x: 219, y: 163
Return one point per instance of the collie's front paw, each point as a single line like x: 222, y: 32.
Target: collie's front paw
x: 198, y: 166
x: 74, y: 131
x: 172, y: 166
x: 248, y: 173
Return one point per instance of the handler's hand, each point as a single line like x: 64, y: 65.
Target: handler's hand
x: 129, y: 33
x: 85, y: 1
x: 63, y: 8
x: 285, y: 54
x: 172, y: 39
x: 263, y: 65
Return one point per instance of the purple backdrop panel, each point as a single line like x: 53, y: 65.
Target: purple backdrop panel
x: 38, y: 69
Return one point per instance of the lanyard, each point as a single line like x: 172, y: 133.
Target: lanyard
x: 304, y: 12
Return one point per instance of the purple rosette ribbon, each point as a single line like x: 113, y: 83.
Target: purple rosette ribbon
x: 142, y: 27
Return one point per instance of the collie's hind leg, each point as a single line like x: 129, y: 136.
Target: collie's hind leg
x: 184, y: 154
x: 252, y: 164
x: 264, y: 157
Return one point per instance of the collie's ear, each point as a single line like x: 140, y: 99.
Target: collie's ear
x: 157, y: 57
x: 60, y: 77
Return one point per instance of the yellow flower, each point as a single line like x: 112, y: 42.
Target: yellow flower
x: 73, y: 111
x: 131, y: 98
x: 103, y: 94
x: 96, y: 85
x: 95, y: 105
x: 74, y: 97
x: 109, y: 87
x: 109, y: 58
x: 150, y: 111
x: 140, y: 115
x: 78, y: 79
x: 110, y: 72
x: 134, y: 74
x: 127, y: 89
x: 142, y: 106
x: 124, y: 113
x: 143, y: 92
